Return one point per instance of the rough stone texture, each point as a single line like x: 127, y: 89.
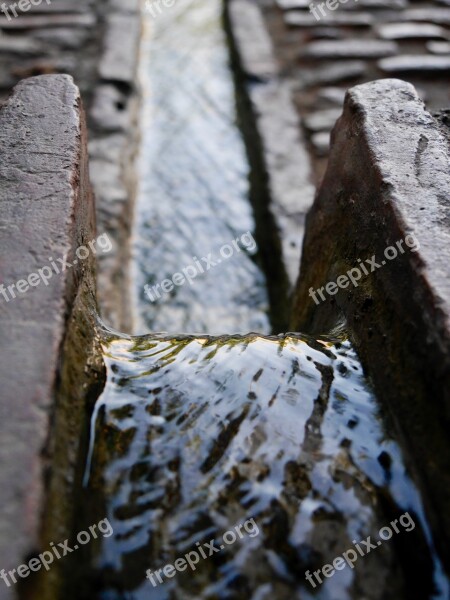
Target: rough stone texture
x: 389, y: 176
x: 284, y: 155
x: 46, y: 210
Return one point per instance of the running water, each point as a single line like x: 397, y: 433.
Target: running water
x: 196, y: 435
x: 194, y: 192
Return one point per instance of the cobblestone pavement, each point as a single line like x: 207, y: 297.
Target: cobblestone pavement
x: 359, y: 41
x: 61, y: 37
x: 95, y: 41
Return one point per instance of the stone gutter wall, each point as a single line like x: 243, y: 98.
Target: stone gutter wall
x: 284, y: 156
x: 281, y: 188
x: 389, y: 178
x: 49, y: 367
x: 113, y: 142
x: 48, y: 364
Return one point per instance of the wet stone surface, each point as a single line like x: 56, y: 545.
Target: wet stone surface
x: 283, y: 430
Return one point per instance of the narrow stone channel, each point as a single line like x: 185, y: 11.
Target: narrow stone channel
x: 196, y: 434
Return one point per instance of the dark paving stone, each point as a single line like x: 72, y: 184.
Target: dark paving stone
x: 256, y: 55
x: 118, y: 62
x: 321, y: 143
x: 56, y: 6
x: 440, y: 16
x: 329, y: 33
x: 332, y: 73
x: 306, y: 19
x: 51, y: 20
x: 109, y: 109
x: 130, y: 6
x: 293, y: 4
x: 415, y: 63
x: 19, y: 45
x: 322, y: 120
x: 374, y: 4
x: 354, y: 48
x: 283, y: 150
x: 348, y: 5
x: 383, y: 3
x: 63, y: 37
x: 335, y: 95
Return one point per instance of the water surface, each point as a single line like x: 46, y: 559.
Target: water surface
x: 193, y: 195
x: 195, y: 435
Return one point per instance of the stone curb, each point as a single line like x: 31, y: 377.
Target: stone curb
x: 388, y: 176
x: 285, y: 155
x: 114, y: 137
x: 46, y: 211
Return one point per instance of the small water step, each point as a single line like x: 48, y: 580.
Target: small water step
x: 194, y: 436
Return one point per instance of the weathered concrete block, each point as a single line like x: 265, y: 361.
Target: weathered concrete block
x: 388, y: 177
x: 46, y: 212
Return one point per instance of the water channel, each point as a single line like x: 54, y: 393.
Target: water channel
x: 203, y: 426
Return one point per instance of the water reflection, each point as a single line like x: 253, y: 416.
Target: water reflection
x: 194, y: 435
